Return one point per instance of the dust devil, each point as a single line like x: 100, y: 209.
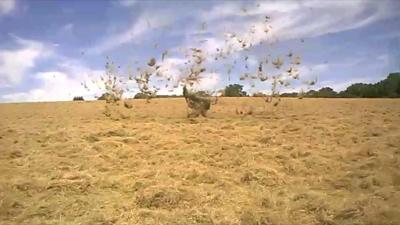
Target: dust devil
x: 197, y: 105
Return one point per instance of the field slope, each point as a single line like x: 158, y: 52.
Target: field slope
x: 309, y: 161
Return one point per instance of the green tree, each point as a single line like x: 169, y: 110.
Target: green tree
x: 356, y: 90
x: 326, y: 92
x: 387, y: 88
x: 311, y: 93
x: 291, y: 94
x: 78, y: 98
x: 391, y: 85
x: 107, y: 95
x: 234, y: 90
x: 203, y: 94
x: 141, y: 95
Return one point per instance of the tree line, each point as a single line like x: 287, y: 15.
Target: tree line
x: 387, y: 88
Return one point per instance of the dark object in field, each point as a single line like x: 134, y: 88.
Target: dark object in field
x: 141, y: 95
x: 128, y: 105
x: 198, y: 105
x: 152, y: 62
x: 110, y: 98
x: 78, y: 98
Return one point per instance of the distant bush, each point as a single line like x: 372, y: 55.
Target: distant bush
x: 292, y: 94
x: 141, y: 95
x: 325, y: 92
x: 109, y: 97
x: 203, y: 94
x: 169, y: 96
x: 234, y: 90
x: 387, y: 88
x: 78, y: 98
x: 259, y: 94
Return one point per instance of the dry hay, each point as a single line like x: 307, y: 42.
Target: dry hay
x: 116, y: 112
x: 161, y: 198
x: 128, y: 104
x: 314, y: 161
x: 306, y: 163
x: 197, y: 105
x: 245, y: 109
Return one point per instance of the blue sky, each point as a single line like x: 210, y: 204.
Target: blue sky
x: 48, y: 48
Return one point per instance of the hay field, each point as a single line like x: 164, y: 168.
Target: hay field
x: 309, y: 161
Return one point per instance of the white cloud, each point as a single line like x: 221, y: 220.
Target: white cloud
x: 324, y: 18
x: 171, y: 67
x: 59, y: 86
x: 312, y: 72
x: 169, y: 91
x: 14, y: 64
x: 56, y: 86
x: 30, y: 96
x: 289, y: 19
x: 296, y: 19
x: 292, y: 19
x: 136, y: 30
x: 6, y: 6
x: 136, y: 33
x: 68, y: 80
x: 209, y: 81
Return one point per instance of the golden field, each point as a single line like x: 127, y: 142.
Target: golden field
x: 309, y: 161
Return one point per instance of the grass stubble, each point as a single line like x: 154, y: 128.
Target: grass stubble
x: 310, y: 161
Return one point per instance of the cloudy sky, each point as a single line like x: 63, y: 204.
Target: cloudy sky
x: 49, y: 48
